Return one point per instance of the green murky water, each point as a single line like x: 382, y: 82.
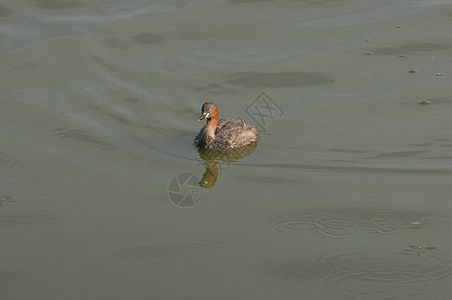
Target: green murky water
x: 347, y: 194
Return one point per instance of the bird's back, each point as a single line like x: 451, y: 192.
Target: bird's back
x: 229, y: 133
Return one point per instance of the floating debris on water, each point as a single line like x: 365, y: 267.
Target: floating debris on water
x: 439, y: 74
x: 424, y: 101
x: 415, y: 225
x: 5, y: 198
x: 398, y: 26
x: 418, y: 249
x: 368, y: 40
x: 402, y: 55
x: 369, y: 53
x: 412, y: 71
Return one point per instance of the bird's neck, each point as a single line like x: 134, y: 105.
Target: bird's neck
x: 211, y: 127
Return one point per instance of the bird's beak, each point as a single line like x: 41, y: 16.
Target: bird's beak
x: 204, y: 115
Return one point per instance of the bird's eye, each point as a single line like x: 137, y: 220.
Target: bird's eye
x: 210, y: 110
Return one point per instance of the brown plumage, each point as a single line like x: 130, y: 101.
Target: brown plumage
x: 223, y: 133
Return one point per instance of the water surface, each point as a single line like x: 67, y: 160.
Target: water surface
x: 345, y: 196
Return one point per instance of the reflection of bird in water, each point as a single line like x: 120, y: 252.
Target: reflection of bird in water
x: 223, y: 133
x: 212, y: 158
x: 210, y: 176
x: 227, y: 155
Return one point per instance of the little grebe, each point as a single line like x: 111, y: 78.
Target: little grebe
x: 223, y: 133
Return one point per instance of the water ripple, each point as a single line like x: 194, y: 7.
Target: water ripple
x: 343, y: 222
x: 9, y: 162
x: 83, y: 137
x: 353, y: 169
x: 363, y: 272
x: 111, y: 15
